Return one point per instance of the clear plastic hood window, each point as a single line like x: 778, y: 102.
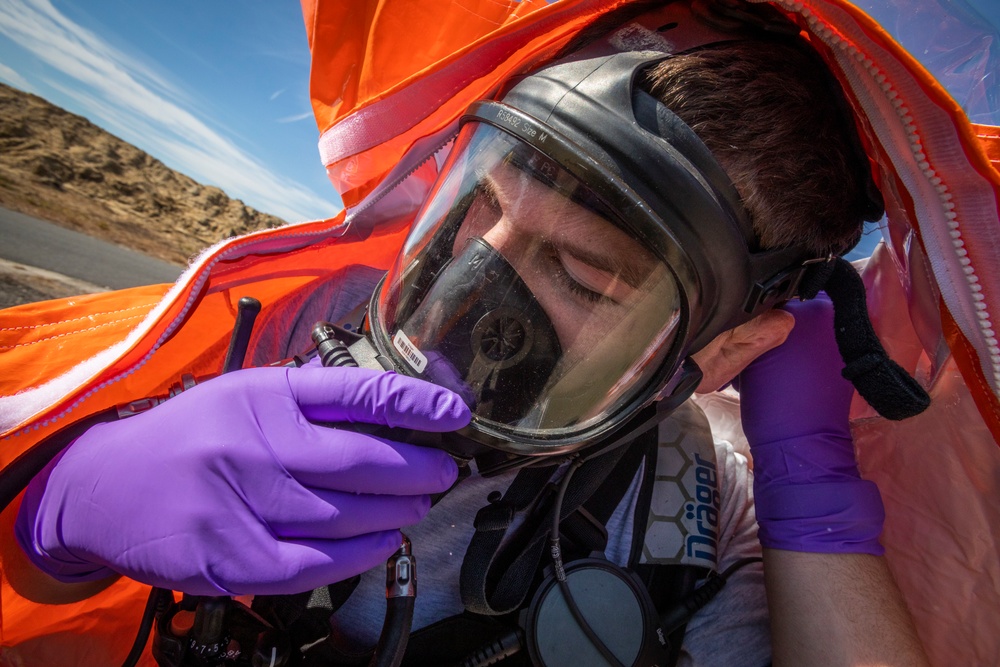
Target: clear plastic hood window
x: 958, y: 41
x: 520, y: 290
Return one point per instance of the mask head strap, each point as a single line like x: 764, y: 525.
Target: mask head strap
x: 785, y: 273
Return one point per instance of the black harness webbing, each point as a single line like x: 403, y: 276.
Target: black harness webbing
x: 497, y: 575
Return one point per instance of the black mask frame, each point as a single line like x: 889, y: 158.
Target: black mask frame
x: 668, y: 191
x: 586, y: 113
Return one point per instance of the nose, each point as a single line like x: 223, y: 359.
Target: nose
x: 501, y: 238
x: 514, y: 244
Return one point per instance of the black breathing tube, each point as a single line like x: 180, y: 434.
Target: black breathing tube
x: 401, y: 576
x: 157, y: 601
x: 560, y: 571
x: 400, y: 595
x: 670, y: 620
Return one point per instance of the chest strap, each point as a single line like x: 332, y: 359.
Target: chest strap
x: 498, y: 570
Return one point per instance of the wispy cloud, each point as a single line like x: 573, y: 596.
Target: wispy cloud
x: 12, y: 77
x: 275, y: 95
x: 296, y: 118
x: 136, y: 103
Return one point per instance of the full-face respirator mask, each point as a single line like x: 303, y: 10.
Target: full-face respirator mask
x: 580, y: 243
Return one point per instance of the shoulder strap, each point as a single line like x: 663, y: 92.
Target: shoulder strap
x: 497, y: 575
x: 668, y: 553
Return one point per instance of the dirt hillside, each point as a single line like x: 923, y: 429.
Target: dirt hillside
x: 61, y: 167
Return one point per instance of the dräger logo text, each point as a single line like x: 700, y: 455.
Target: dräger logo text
x: 703, y: 512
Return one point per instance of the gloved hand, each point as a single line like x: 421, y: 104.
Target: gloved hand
x: 229, y: 489
x: 808, y: 493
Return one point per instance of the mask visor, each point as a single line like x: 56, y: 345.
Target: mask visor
x: 520, y: 289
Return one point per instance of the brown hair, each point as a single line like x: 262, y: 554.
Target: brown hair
x: 769, y: 114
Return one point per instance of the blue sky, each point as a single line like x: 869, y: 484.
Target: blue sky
x: 216, y: 90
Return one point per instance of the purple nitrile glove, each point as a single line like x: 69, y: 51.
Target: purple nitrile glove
x: 229, y: 489
x: 808, y: 493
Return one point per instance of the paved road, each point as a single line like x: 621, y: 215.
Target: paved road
x: 38, y: 243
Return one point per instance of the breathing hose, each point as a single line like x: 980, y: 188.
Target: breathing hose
x: 400, y: 595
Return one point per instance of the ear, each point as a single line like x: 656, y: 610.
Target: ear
x: 726, y: 356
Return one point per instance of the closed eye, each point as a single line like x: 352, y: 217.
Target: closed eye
x: 591, y: 282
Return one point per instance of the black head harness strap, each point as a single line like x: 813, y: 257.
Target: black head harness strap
x: 881, y: 381
x: 885, y: 385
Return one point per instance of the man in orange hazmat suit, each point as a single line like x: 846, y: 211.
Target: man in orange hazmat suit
x: 487, y: 210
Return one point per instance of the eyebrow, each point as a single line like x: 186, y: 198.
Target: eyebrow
x: 632, y: 273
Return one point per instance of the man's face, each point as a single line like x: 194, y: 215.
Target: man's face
x: 518, y: 288
x: 607, y: 296
x: 590, y: 277
x: 601, y: 288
